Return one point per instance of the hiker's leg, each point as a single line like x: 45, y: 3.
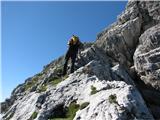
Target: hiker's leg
x: 73, y: 58
x: 65, y: 64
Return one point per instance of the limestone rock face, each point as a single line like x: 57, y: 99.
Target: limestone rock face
x: 121, y: 38
x: 127, y: 104
x: 117, y: 77
x: 147, y: 57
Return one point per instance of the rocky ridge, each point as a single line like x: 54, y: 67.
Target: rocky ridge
x: 116, y: 78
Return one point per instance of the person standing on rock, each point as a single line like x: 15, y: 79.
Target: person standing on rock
x: 74, y: 45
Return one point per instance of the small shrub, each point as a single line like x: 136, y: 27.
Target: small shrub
x: 27, y: 86
x: 42, y: 88
x: 93, y: 90
x: 59, y: 69
x: 31, y: 83
x: 54, y: 82
x: 34, y: 115
x: 35, y: 79
x: 113, y: 98
x: 83, y: 105
x: 39, y: 74
x: 72, y: 109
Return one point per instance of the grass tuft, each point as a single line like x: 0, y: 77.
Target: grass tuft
x: 113, y: 98
x: 72, y: 109
x: 31, y: 83
x: 55, y: 81
x: 42, y: 88
x: 34, y: 115
x: 93, y: 90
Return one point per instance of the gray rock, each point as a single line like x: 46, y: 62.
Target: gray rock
x: 77, y: 87
x: 120, y: 41
x: 147, y: 57
x: 150, y: 13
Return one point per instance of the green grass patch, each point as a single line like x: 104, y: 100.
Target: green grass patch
x: 31, y: 83
x: 84, y: 105
x: 55, y: 81
x: 72, y: 109
x: 113, y: 98
x: 70, y: 112
x: 34, y: 115
x: 93, y: 90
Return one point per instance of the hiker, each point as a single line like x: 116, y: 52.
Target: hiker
x: 74, y: 45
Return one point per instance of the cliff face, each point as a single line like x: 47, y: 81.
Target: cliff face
x: 117, y: 77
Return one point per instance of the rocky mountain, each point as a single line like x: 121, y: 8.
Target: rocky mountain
x: 117, y: 77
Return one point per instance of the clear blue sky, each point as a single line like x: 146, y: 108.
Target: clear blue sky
x: 35, y: 33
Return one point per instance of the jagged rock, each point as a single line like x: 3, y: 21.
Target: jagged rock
x: 22, y: 109
x: 147, y: 64
x: 120, y: 40
x: 125, y: 107
x: 77, y: 87
x: 150, y: 12
x: 147, y: 57
x: 120, y: 73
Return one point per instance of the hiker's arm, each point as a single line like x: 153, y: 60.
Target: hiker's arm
x: 69, y: 42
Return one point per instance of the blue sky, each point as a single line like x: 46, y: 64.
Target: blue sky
x: 35, y: 33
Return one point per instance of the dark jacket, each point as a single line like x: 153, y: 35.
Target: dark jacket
x: 73, y: 49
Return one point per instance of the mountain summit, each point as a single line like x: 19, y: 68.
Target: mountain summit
x: 117, y: 77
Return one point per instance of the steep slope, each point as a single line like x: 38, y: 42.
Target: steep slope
x: 108, y: 83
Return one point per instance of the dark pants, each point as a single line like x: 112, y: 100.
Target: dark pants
x: 73, y: 59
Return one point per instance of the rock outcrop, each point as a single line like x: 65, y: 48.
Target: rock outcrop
x: 116, y: 78
x: 147, y: 57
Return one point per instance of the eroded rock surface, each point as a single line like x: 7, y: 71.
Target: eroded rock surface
x: 147, y: 57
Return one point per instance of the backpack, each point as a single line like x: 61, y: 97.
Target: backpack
x: 74, y: 40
